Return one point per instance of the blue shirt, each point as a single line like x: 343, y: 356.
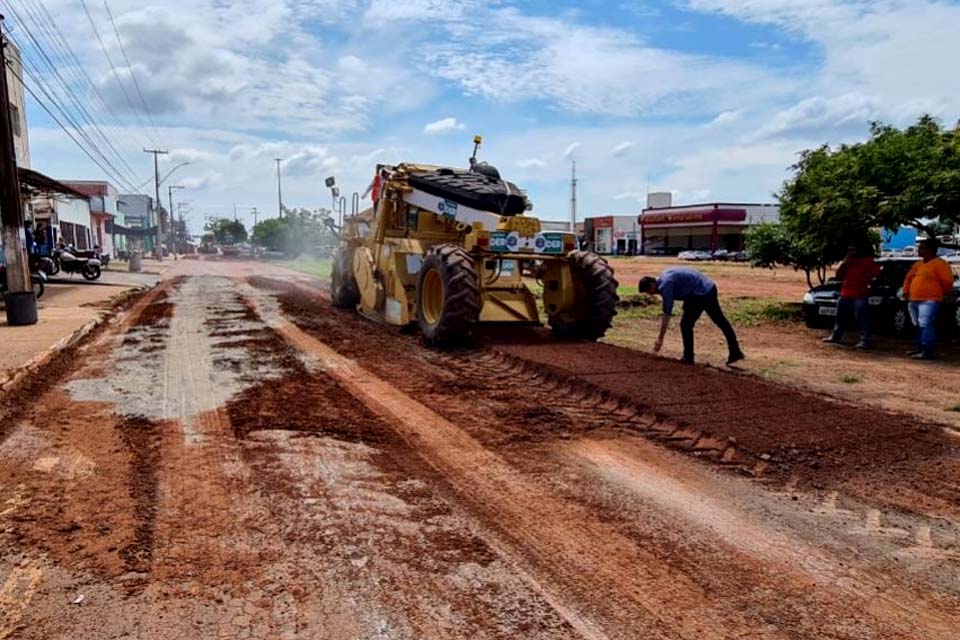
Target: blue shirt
x: 679, y: 283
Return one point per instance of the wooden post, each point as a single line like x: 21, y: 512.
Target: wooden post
x: 21, y: 309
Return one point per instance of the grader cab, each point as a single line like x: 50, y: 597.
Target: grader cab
x: 444, y: 247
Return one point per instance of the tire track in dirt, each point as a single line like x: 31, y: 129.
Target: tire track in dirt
x: 407, y: 367
x: 560, y: 545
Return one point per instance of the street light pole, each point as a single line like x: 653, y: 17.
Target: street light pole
x: 156, y: 177
x: 170, y: 189
x: 279, y: 194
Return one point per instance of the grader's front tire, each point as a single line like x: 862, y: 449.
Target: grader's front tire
x: 448, y: 295
x: 344, y: 292
x: 596, y: 299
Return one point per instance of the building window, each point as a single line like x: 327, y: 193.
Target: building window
x: 15, y: 119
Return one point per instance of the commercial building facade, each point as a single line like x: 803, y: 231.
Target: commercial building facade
x: 704, y: 227
x: 137, y: 223
x: 613, y: 235
x: 103, y: 211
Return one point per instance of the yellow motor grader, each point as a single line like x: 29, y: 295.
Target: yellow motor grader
x: 445, y: 247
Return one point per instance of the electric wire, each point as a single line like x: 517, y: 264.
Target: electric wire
x: 50, y: 27
x: 133, y: 76
x: 70, y: 64
x: 81, y: 111
x: 113, y: 67
x: 53, y: 116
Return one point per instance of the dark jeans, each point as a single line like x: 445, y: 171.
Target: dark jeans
x: 693, y: 308
x: 859, y: 308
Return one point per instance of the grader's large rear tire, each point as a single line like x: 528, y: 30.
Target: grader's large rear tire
x: 448, y: 295
x: 344, y: 292
x: 596, y: 299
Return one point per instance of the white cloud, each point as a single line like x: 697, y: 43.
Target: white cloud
x: 725, y: 118
x: 630, y: 195
x: 206, y: 180
x: 887, y: 51
x: 821, y: 115
x: 531, y: 163
x: 571, y: 149
x: 444, y: 125
x: 582, y: 68
x: 621, y: 149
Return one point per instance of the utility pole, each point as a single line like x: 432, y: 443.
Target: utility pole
x: 21, y: 303
x: 170, y: 189
x: 573, y: 198
x: 255, y: 214
x: 156, y: 183
x: 234, y: 211
x: 279, y: 196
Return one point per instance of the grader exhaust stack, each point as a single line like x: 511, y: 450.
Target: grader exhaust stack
x: 443, y: 247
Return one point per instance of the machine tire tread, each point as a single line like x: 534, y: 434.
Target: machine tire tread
x: 597, y: 300
x: 461, y: 307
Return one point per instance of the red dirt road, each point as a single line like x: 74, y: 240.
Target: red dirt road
x: 237, y: 459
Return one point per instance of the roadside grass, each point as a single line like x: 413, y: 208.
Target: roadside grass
x: 319, y: 267
x: 778, y: 370
x: 954, y: 407
x: 850, y: 378
x: 755, y: 311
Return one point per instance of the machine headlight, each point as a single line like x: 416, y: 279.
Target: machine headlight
x: 808, y: 298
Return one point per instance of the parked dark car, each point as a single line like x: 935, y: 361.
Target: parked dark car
x: 888, y: 309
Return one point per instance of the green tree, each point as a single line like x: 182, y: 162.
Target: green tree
x: 227, y: 231
x: 297, y: 231
x: 838, y: 196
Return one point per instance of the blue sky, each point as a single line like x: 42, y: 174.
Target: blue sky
x: 709, y: 99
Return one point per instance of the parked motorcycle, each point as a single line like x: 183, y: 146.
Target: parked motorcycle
x: 43, y: 264
x: 38, y: 278
x: 89, y: 268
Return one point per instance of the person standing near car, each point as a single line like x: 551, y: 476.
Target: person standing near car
x: 856, y: 271
x: 928, y: 281
x: 699, y: 295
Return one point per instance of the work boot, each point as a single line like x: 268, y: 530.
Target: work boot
x: 862, y: 346
x: 923, y: 355
x: 736, y: 357
x: 914, y: 352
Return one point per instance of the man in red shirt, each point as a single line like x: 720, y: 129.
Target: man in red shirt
x: 856, y: 272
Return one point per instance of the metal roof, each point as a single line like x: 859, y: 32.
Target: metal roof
x: 37, y: 181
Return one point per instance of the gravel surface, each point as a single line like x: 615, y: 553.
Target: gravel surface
x: 235, y: 458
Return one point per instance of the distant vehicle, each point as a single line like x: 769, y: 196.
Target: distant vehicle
x: 695, y: 256
x: 888, y: 309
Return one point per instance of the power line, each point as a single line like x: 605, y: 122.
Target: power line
x: 79, y: 70
x: 136, y: 83
x: 39, y: 101
x: 83, y: 114
x: 113, y: 67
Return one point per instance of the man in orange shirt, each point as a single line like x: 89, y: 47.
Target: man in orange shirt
x: 856, y: 272
x: 927, y: 282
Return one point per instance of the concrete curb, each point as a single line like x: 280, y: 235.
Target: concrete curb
x: 10, y: 382
x: 42, y: 358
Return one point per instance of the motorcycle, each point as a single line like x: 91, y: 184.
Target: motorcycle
x: 42, y: 264
x: 89, y: 268
x: 38, y: 278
